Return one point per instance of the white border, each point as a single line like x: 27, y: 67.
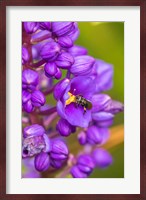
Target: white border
x: 128, y: 185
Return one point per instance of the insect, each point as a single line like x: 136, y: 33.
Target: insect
x: 79, y: 100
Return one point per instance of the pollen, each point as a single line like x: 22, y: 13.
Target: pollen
x: 71, y: 99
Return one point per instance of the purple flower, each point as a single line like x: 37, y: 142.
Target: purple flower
x: 74, y: 33
x: 102, y: 158
x: 65, y: 42
x: 29, y: 79
x: 59, y: 150
x: 82, y: 138
x: 33, y: 130
x: 100, y: 102
x: 45, y: 25
x: 42, y: 161
x: 64, y: 60
x: 82, y: 65
x: 85, y: 163
x: 103, y: 119
x: 25, y: 55
x: 77, y: 51
x: 31, y: 27
x: 38, y: 98
x: 96, y: 135
x: 77, y: 173
x: 35, y: 141
x: 104, y: 75
x: 64, y: 128
x: 62, y: 28
x: 60, y: 88
x: 50, y: 51
x: 74, y: 114
x: 114, y: 107
x: 31, y: 100
x: 56, y: 163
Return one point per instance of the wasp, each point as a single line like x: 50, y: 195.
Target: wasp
x: 79, y: 100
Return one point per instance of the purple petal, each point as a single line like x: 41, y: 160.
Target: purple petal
x: 100, y: 102
x: 31, y: 27
x: 62, y: 28
x: 60, y: 88
x: 63, y: 127
x: 102, y: 158
x: 58, y: 74
x: 45, y: 25
x: 77, y: 50
x: 50, y: 51
x: 82, y: 138
x: 76, y: 173
x: 30, y: 77
x: 104, y: 73
x: 94, y: 135
x: 33, y: 130
x: 82, y: 65
x: 65, y: 42
x: 38, y: 99
x: 26, y: 96
x: 25, y: 56
x: 64, y: 60
x: 28, y: 107
x: 50, y: 69
x: 42, y: 162
x: 76, y: 117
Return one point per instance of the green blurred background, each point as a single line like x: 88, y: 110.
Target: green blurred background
x: 105, y: 41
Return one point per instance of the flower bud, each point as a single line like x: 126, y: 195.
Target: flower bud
x: 59, y: 150
x: 25, y: 56
x: 63, y: 127
x: 82, y: 65
x: 29, y: 78
x: 42, y: 162
x: 38, y: 98
x: 82, y: 138
x: 104, y: 73
x: 58, y: 74
x: 60, y: 88
x: 100, y: 102
x: 114, y: 107
x: 74, y: 33
x: 102, y: 158
x: 64, y: 60
x: 94, y: 135
x: 50, y: 51
x: 31, y: 27
x: 77, y: 51
x: 26, y: 96
x: 65, y: 42
x: 103, y: 119
x: 77, y: 173
x: 45, y: 25
x: 56, y: 163
x: 86, y: 164
x: 50, y: 69
x: 33, y: 130
x: 28, y: 107
x: 62, y: 28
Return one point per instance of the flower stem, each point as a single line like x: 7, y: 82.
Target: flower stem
x: 44, y: 37
x: 49, y: 111
x: 38, y: 64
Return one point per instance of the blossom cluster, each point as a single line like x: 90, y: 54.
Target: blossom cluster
x: 48, y: 53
